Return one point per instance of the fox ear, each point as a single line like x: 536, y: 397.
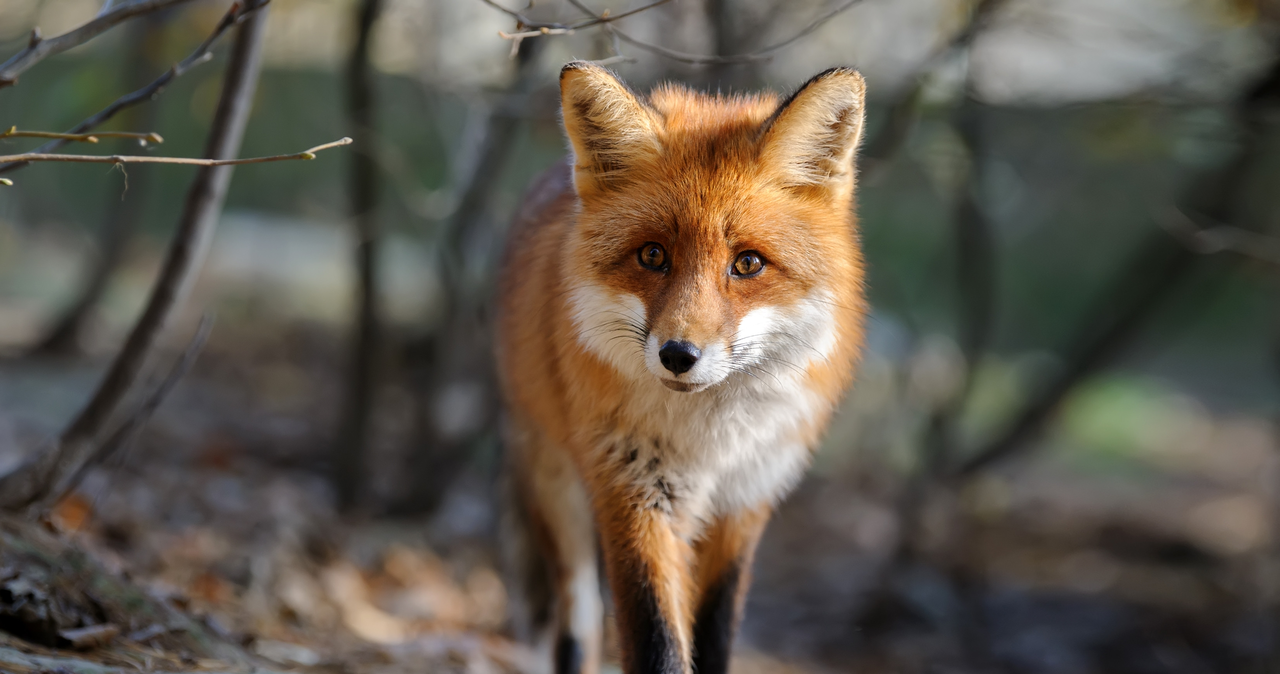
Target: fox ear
x: 811, y: 139
x: 611, y: 130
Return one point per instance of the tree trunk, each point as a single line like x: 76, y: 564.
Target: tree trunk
x: 362, y: 380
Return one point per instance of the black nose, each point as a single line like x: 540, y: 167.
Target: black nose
x: 679, y: 357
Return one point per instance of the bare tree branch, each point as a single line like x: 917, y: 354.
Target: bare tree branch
x: 712, y: 59
x: 759, y: 55
x: 528, y: 28
x: 46, y: 471
x: 1139, y: 287
x: 305, y: 155
x: 39, y: 49
x: 234, y: 15
x: 127, y: 431
x: 1220, y: 238
x: 536, y: 28
x: 902, y: 112
x: 143, y: 138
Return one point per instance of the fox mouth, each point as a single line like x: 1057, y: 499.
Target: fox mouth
x: 683, y: 387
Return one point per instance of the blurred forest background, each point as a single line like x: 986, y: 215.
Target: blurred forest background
x: 1060, y: 455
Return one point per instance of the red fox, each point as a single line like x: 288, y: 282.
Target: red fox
x: 681, y: 309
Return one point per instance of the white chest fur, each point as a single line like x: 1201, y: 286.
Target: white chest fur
x: 737, y: 444
x: 700, y: 455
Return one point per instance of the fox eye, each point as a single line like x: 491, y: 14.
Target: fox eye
x: 748, y: 264
x: 653, y: 256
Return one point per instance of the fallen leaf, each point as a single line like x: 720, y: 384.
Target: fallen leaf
x: 86, y: 638
x: 72, y: 513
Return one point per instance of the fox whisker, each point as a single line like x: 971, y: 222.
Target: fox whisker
x: 794, y: 339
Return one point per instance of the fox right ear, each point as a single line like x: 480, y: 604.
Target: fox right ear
x: 611, y: 130
x: 811, y: 139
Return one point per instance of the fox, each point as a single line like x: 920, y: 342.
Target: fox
x: 680, y: 312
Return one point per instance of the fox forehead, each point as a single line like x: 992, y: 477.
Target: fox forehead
x: 707, y: 195
x: 708, y: 141
x: 700, y: 129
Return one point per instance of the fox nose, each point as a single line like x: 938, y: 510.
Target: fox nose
x: 678, y: 357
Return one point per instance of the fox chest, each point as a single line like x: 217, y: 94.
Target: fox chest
x: 699, y: 457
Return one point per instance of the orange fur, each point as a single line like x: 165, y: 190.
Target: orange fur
x: 681, y: 468
x: 729, y: 543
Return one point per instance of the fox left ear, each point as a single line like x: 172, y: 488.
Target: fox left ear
x: 811, y: 139
x: 611, y: 130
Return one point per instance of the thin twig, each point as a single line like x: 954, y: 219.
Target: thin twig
x: 615, y: 44
x: 710, y: 59
x: 542, y: 27
x: 535, y: 33
x: 237, y: 13
x: 38, y: 49
x: 616, y: 58
x: 305, y: 155
x: 1220, y: 238
x: 145, y: 138
x: 901, y: 115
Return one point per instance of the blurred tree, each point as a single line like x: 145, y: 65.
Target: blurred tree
x: 1151, y: 275
x: 456, y: 380
x: 362, y: 367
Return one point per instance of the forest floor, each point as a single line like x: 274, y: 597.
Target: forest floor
x: 213, y: 545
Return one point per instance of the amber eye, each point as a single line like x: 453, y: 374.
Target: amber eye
x: 653, y: 256
x: 748, y: 264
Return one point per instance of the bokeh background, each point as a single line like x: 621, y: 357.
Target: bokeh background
x: 1060, y: 454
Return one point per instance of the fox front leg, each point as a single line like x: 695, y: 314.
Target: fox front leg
x: 648, y: 569
x: 723, y: 573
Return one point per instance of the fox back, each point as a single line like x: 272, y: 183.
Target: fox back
x: 681, y: 311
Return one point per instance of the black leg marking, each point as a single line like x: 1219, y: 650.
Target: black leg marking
x: 715, y: 624
x: 654, y: 649
x: 568, y: 655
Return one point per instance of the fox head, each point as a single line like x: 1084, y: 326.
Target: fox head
x: 715, y: 235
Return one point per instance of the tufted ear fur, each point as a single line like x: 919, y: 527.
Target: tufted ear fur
x: 610, y: 129
x: 811, y: 139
